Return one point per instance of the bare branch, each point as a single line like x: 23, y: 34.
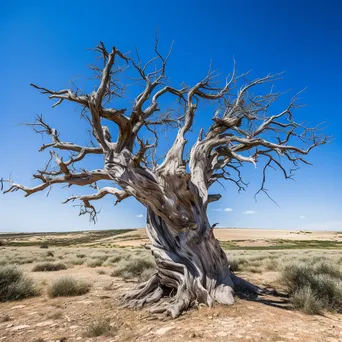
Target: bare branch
x: 119, y: 194
x: 81, y: 179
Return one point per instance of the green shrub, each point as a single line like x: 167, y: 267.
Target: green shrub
x: 314, y: 287
x: 238, y: 264
x: 68, y: 286
x: 133, y: 267
x: 48, y: 267
x: 14, y: 285
x: 328, y: 267
x: 100, y: 327
x: 306, y: 300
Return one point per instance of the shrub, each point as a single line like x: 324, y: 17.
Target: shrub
x: 4, y: 261
x: 234, y: 265
x: 133, y: 267
x: 114, y: 259
x: 99, y: 256
x: 14, y: 285
x: 48, y: 267
x: 94, y: 262
x: 4, y: 318
x: 80, y: 255
x: 305, y: 299
x: 50, y: 254
x: 147, y: 274
x: 68, y: 286
x: 77, y: 261
x: 44, y: 245
x: 26, y: 261
x: 270, y: 264
x: 55, y: 314
x: 237, y: 264
x: 314, y: 287
x: 328, y: 267
x: 101, y: 327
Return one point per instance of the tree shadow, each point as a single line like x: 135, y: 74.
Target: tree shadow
x: 268, y: 297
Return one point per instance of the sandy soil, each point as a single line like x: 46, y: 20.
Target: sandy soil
x: 265, y: 319
x: 67, y: 318
x: 138, y: 237
x: 244, y: 237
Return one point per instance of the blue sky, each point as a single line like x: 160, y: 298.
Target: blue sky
x: 47, y: 44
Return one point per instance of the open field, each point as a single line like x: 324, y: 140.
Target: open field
x: 109, y: 264
x: 236, y: 238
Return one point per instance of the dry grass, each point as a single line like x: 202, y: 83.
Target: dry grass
x: 49, y: 267
x: 314, y: 287
x: 68, y: 286
x: 55, y: 314
x: 14, y: 285
x: 100, y: 327
x: 4, y: 318
x: 133, y: 266
x: 94, y: 263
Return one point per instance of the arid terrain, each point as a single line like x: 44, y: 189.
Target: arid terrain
x: 112, y: 262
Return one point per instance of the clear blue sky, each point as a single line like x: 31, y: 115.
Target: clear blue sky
x: 46, y: 43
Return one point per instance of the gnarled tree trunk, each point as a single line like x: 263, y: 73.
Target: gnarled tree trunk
x: 192, y: 268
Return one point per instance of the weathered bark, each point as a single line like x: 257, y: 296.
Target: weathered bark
x: 192, y: 268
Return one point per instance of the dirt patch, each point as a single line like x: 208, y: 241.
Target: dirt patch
x: 266, y: 318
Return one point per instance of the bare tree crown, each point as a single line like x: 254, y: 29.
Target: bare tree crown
x: 244, y: 130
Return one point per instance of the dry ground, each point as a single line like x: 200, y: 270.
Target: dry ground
x: 67, y: 318
x: 138, y: 237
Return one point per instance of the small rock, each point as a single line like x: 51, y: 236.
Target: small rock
x: 18, y: 307
x: 192, y: 335
x: 221, y: 334
x: 20, y: 327
x: 163, y: 331
x: 44, y: 324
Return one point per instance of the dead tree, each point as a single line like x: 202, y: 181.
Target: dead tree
x: 191, y: 266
